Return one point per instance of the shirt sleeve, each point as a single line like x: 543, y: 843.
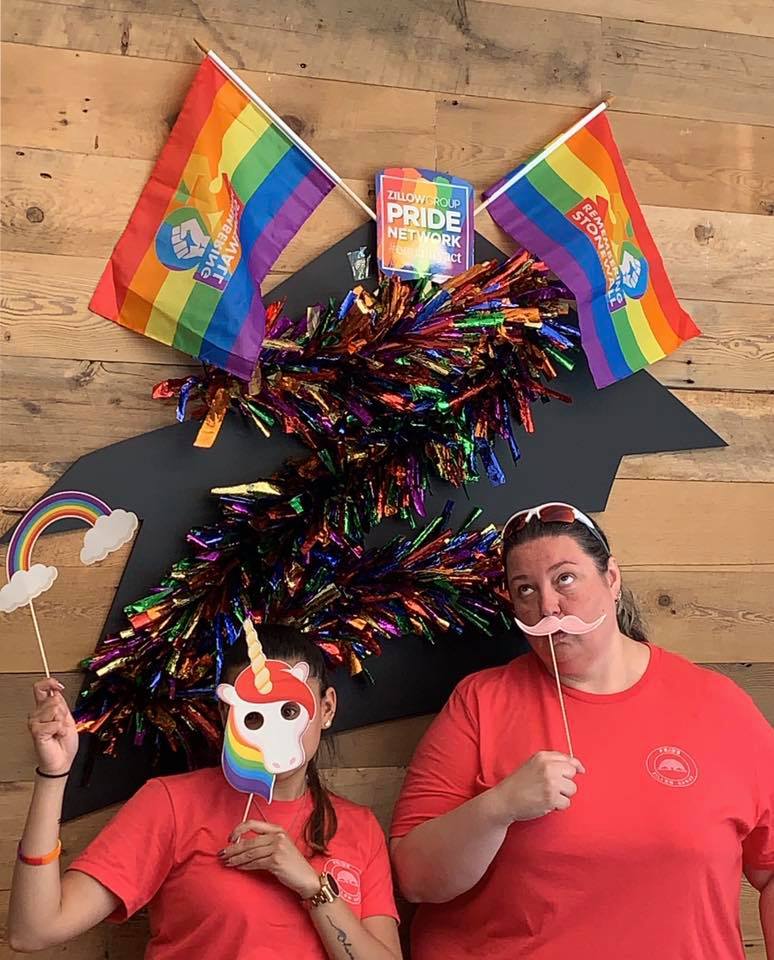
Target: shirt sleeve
x: 758, y: 846
x: 445, y: 770
x: 134, y: 853
x: 376, y: 881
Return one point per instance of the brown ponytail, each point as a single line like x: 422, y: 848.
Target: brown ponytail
x: 631, y: 623
x: 321, y: 826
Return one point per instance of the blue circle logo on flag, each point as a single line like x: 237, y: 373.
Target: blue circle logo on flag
x: 634, y: 271
x: 182, y: 239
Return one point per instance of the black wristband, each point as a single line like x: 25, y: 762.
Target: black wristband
x: 52, y: 776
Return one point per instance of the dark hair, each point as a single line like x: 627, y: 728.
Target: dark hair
x: 630, y: 619
x: 281, y: 642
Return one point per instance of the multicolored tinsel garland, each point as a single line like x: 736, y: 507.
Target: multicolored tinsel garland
x: 454, y: 365
x: 159, y: 675
x: 390, y: 390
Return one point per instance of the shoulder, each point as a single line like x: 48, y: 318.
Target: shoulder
x: 487, y: 685
x: 712, y: 688
x: 201, y: 786
x: 494, y: 678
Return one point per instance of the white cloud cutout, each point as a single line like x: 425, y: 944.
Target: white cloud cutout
x: 108, y: 534
x: 25, y: 585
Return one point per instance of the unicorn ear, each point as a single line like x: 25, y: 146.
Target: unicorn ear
x: 227, y: 693
x: 301, y: 671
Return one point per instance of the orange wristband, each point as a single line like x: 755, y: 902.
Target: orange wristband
x: 41, y: 861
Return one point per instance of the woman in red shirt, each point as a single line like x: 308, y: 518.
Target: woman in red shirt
x: 306, y: 876
x: 635, y: 847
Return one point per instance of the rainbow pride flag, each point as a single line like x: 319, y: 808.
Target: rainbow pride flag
x: 225, y: 197
x: 577, y: 211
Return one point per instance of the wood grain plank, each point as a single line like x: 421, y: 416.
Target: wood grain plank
x: 83, y: 205
x: 670, y: 523
x: 99, y: 403
x: 389, y: 744
x: 752, y: 17
x: 709, y: 616
x: 754, y: 949
x: 125, y: 106
x: 746, y: 423
x: 734, y: 352
x: 473, y: 47
x: 717, y: 613
x: 686, y: 72
x: 671, y: 161
x: 44, y: 313
x: 91, y: 103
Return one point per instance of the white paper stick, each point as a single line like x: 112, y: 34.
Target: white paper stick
x: 561, y: 696
x: 40, y: 641
x: 545, y: 152
x: 291, y: 134
x: 247, y: 806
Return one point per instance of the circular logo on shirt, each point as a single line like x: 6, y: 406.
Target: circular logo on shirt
x: 672, y: 767
x: 347, y: 877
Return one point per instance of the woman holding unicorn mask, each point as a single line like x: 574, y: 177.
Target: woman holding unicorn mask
x: 597, y: 797
x: 260, y: 864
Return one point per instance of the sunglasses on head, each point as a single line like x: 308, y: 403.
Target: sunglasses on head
x: 552, y: 513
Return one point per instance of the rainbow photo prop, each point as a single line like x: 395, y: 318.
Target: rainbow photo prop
x: 107, y: 531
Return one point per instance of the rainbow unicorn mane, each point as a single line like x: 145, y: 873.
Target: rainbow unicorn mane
x: 243, y: 764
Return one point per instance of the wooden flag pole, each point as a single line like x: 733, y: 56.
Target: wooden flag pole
x: 545, y: 152
x: 289, y: 133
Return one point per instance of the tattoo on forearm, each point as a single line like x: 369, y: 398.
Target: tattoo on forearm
x: 342, y: 938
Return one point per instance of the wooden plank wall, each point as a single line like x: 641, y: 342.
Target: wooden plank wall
x: 89, y: 92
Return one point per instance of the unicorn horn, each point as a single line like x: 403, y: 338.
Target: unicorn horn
x: 262, y: 679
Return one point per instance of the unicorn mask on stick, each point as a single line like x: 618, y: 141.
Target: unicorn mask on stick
x: 270, y: 707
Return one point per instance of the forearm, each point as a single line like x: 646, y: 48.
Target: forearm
x: 36, y: 893
x: 344, y: 936
x: 766, y: 908
x: 444, y: 858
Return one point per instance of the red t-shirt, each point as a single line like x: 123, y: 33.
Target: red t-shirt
x: 161, y: 849
x: 647, y: 861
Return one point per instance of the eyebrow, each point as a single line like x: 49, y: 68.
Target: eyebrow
x: 561, y: 563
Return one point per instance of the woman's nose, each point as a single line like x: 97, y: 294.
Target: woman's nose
x: 549, y: 604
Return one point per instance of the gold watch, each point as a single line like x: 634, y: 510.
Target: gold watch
x: 329, y: 891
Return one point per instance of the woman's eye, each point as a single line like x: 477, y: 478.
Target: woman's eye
x: 290, y: 710
x: 525, y: 590
x: 565, y: 579
x: 254, y: 720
